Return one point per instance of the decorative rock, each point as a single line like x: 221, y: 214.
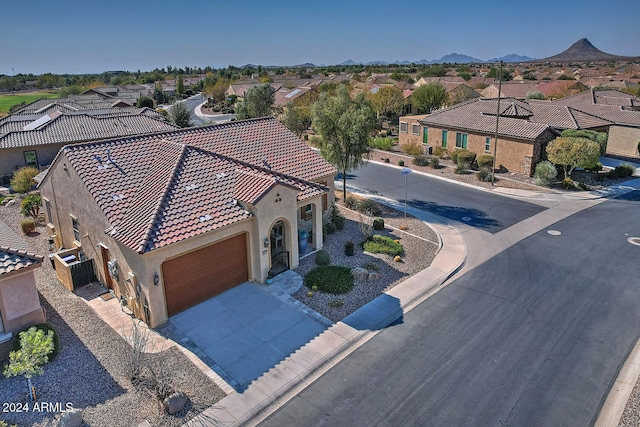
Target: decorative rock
x: 373, y: 276
x: 72, y: 418
x: 175, y: 402
x: 359, y: 273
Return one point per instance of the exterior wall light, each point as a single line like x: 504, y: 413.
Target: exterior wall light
x: 266, y: 242
x: 156, y: 279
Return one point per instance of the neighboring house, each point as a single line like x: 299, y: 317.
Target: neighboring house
x: 174, y: 218
x: 34, y: 140
x: 19, y: 300
x: 619, y: 108
x: 471, y: 125
x: 72, y: 103
x: 457, y: 92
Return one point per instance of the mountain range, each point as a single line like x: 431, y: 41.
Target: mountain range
x: 452, y: 58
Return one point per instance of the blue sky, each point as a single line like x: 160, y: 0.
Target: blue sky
x: 91, y: 36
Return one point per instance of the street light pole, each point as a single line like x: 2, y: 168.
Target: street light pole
x: 405, y: 172
x: 495, y: 148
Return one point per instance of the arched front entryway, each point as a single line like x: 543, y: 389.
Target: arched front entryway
x: 279, y: 241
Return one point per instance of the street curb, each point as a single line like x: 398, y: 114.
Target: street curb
x: 613, y: 407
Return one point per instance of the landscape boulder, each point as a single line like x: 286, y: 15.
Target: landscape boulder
x: 71, y: 418
x: 175, y: 402
x: 359, y: 273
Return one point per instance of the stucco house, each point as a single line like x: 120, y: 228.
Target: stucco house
x: 34, y: 139
x: 19, y: 301
x: 174, y: 218
x: 525, y: 127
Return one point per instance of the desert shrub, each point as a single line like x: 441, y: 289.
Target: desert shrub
x: 485, y: 161
x: 31, y: 205
x: 624, y: 170
x: 545, y: 173
x: 336, y: 218
x: 28, y: 226
x: 462, y: 168
x: 348, y: 248
x: 22, y: 180
x: 440, y: 152
x: 378, y: 224
x: 369, y: 207
x: 612, y: 174
x: 412, y: 148
x: 421, y: 160
x: 329, y: 228
x: 381, y: 143
x: 383, y: 245
x: 315, y: 141
x: 44, y: 327
x: 351, y: 202
x: 583, y: 186
x: 323, y: 257
x: 454, y: 156
x: 400, y: 162
x: 435, y: 162
x: 466, y: 156
x: 331, y: 279
x: 596, y: 168
x: 484, y: 174
x: 568, y: 184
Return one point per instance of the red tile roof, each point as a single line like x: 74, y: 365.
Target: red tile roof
x: 158, y: 189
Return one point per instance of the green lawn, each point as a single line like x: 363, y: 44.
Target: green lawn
x: 6, y: 101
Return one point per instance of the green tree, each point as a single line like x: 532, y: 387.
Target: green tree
x: 495, y: 72
x: 571, y: 152
x: 387, y: 99
x: 144, y: 101
x: 535, y: 95
x: 158, y: 94
x: 600, y: 137
x: 31, y: 205
x: 296, y: 119
x: 434, y: 71
x: 345, y: 126
x: 429, y: 97
x: 22, y: 180
x: 180, y: 86
x: 180, y: 115
x: 35, y: 347
x: 258, y: 102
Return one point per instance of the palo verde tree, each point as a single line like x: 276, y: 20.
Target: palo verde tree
x: 572, y: 152
x: 180, y: 115
x: 345, y: 126
x: 258, y: 102
x: 387, y: 100
x: 429, y: 97
x: 35, y: 347
x: 296, y: 119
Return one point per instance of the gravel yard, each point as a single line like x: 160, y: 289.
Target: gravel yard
x: 420, y: 245
x: 87, y: 372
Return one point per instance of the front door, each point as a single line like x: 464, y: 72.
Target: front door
x: 104, y: 252
x: 278, y: 246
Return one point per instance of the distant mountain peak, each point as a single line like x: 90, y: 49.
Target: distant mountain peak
x: 583, y: 50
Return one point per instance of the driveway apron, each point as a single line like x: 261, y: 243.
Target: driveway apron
x: 245, y: 332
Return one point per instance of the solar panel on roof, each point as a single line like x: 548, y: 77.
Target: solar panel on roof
x: 42, y: 120
x: 293, y: 93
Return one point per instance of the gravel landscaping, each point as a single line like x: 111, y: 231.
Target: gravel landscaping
x: 87, y: 372
x: 420, y: 245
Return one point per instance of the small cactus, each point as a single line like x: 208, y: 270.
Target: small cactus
x: 309, y: 294
x: 314, y: 288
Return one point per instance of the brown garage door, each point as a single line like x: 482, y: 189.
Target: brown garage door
x: 204, y: 273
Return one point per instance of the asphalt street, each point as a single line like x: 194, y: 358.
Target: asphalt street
x: 534, y: 336
x: 480, y: 209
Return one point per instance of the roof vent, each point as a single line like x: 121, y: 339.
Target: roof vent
x: 204, y: 218
x: 190, y: 187
x: 118, y: 197
x: 221, y: 175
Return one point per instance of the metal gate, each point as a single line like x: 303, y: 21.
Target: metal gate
x: 279, y: 263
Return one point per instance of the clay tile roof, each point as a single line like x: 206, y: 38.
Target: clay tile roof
x: 13, y: 252
x: 158, y: 189
x: 479, y: 115
x: 69, y: 128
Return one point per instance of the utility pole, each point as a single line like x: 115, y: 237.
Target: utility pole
x: 495, y: 148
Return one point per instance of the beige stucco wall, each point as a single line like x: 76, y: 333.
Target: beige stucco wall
x: 409, y: 137
x: 19, y: 301
x: 623, y: 141
x: 13, y: 158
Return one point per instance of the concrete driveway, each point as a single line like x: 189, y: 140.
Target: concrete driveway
x: 245, y: 331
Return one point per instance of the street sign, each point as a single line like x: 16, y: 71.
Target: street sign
x: 406, y: 171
